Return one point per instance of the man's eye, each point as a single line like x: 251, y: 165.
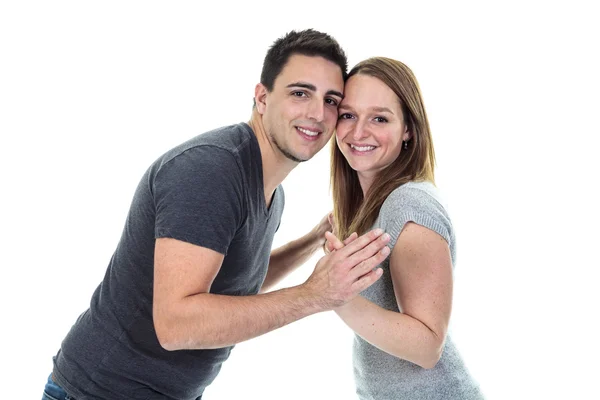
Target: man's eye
x: 298, y: 94
x: 333, y: 102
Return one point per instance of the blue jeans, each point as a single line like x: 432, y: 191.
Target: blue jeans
x: 54, y: 392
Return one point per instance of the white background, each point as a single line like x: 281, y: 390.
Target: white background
x: 92, y: 93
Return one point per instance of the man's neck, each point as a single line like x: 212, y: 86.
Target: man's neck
x: 275, y: 165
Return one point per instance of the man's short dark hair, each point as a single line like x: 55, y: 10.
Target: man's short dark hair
x: 308, y: 42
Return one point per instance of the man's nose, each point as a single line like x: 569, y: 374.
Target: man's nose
x: 316, y: 110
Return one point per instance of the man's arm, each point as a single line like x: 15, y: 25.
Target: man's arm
x: 187, y: 316
x: 290, y: 256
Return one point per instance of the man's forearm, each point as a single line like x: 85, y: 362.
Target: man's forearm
x: 395, y: 333
x: 208, y: 321
x: 290, y: 256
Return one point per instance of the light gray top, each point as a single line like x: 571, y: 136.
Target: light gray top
x: 379, y: 375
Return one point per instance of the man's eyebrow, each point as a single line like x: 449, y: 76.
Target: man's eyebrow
x: 312, y: 87
x: 335, y: 93
x: 305, y: 85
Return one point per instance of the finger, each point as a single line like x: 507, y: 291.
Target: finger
x: 329, y: 246
x: 367, y: 280
x: 333, y: 240
x: 338, y: 244
x: 362, y: 242
x: 367, y: 265
x: 351, y: 238
x: 370, y: 250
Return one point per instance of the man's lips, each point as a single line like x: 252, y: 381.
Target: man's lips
x: 308, y: 131
x: 309, y: 134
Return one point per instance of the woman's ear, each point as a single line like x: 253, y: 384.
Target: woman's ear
x: 407, y: 135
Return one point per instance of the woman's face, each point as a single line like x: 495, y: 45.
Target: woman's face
x: 370, y: 127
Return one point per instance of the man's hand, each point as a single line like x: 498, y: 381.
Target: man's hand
x: 347, y: 271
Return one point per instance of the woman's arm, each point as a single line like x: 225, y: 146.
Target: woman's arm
x: 421, y: 271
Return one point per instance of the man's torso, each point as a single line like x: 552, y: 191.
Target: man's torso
x: 207, y: 191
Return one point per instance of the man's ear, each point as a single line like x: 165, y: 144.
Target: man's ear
x: 260, y: 98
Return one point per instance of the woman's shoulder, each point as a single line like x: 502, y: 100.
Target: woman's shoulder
x: 415, y: 194
x: 418, y: 202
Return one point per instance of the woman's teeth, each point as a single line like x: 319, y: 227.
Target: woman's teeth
x: 362, y: 148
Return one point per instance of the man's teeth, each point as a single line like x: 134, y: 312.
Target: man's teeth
x: 307, y: 132
x: 362, y: 148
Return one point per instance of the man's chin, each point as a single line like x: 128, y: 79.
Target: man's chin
x: 297, y: 159
x: 293, y: 156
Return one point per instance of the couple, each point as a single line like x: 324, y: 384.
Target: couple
x: 191, y: 274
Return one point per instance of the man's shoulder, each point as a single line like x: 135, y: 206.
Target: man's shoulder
x: 234, y: 139
x: 218, y: 147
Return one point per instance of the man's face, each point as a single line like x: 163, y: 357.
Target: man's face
x: 300, y: 113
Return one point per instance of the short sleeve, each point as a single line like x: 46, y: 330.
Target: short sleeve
x: 198, y: 196
x: 413, y: 205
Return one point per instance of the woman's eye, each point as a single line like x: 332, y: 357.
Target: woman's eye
x: 345, y: 116
x: 380, y: 119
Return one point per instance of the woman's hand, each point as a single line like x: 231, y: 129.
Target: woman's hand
x: 332, y: 242
x: 324, y: 226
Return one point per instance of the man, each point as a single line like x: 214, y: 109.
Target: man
x: 183, y: 285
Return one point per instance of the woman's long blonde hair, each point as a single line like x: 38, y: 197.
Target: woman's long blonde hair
x: 352, y: 212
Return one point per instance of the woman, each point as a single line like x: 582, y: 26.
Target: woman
x: 383, y: 176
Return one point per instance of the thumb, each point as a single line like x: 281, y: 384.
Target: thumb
x: 333, y: 243
x: 330, y: 219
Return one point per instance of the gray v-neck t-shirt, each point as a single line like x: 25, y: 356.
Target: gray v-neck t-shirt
x: 209, y: 192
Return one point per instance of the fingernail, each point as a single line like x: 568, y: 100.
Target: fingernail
x: 385, y: 251
x: 378, y: 231
x: 386, y: 236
